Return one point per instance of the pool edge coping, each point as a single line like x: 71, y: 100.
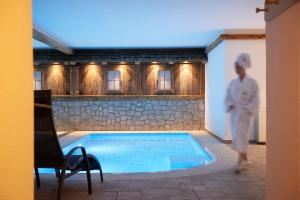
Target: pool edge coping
x: 225, y: 157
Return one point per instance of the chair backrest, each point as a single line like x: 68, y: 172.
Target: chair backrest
x: 48, y: 152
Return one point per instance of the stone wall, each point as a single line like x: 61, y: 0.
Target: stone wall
x: 124, y: 113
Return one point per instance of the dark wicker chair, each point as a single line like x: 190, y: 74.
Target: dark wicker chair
x: 48, y: 152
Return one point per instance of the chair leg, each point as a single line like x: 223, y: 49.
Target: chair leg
x: 57, y: 172
x: 101, y: 174
x: 37, y: 177
x: 88, y: 176
x: 60, y: 183
x: 87, y: 169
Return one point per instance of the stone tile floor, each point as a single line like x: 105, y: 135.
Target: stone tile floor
x: 213, y: 185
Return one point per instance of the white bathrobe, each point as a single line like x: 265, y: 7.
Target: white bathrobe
x: 244, y: 96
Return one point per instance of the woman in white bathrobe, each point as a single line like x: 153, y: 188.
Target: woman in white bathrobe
x: 242, y: 101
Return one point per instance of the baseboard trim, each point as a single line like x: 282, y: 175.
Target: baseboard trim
x: 217, y: 137
x: 230, y: 141
x: 261, y: 143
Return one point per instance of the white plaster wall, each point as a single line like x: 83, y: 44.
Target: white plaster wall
x: 220, y: 69
x: 215, y: 92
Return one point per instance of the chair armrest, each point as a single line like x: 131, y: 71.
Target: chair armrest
x: 76, y: 168
x: 71, y: 152
x: 40, y: 105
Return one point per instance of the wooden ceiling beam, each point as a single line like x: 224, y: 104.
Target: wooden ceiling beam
x: 50, y: 41
x: 223, y: 37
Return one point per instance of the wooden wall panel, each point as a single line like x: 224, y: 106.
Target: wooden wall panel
x: 44, y: 70
x: 39, y: 68
x: 177, y: 79
x: 172, y: 69
x: 138, y: 77
x: 202, y: 79
x: 74, y: 80
x: 195, y: 87
x: 92, y: 79
x: 189, y: 79
x: 67, y: 79
x: 150, y: 76
x: 184, y: 79
x: 56, y: 78
x: 80, y: 76
x: 129, y: 74
x: 136, y: 80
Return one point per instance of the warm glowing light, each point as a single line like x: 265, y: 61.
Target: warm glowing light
x: 186, y: 61
x: 92, y: 78
x: 154, y: 62
x: 55, y: 78
x: 186, y: 67
x: 56, y: 68
x: 92, y: 69
x: 156, y: 67
x: 122, y: 63
x: 186, y: 78
x: 121, y: 67
x: 55, y: 63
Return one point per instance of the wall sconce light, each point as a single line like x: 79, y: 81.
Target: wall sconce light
x: 185, y: 62
x: 122, y: 63
x: 154, y: 62
x: 267, y: 3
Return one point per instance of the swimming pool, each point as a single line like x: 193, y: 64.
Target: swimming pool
x: 140, y: 152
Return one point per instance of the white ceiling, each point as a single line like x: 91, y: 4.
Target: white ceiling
x: 142, y: 23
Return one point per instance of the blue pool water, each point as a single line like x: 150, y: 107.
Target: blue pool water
x: 129, y: 153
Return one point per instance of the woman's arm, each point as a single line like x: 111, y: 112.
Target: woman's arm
x: 229, y: 101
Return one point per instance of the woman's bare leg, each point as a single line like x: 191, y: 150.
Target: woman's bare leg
x: 244, y: 156
x: 238, y: 165
x: 241, y: 157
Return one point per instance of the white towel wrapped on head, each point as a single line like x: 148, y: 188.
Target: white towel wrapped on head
x: 243, y: 60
